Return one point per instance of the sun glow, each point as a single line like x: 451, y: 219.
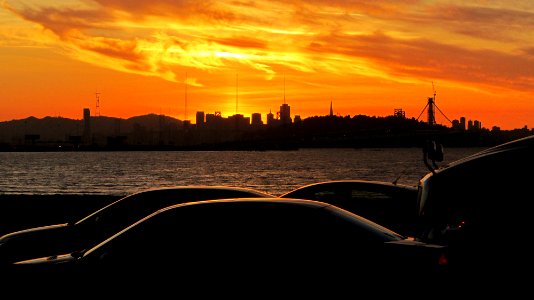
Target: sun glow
x: 362, y: 56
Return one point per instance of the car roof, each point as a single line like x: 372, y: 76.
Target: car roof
x: 201, y: 187
x: 522, y: 144
x: 485, y: 176
x: 310, y: 203
x: 301, y: 202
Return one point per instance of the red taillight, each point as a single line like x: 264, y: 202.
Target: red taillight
x: 442, y: 260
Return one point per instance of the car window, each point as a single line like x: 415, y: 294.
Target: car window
x: 347, y: 191
x: 365, y: 194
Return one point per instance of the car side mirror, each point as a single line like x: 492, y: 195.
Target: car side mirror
x: 432, y: 152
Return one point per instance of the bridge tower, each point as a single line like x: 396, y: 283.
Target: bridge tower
x: 431, y: 111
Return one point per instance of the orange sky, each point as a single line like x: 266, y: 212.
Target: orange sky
x: 367, y: 57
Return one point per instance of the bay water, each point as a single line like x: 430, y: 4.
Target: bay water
x: 275, y: 172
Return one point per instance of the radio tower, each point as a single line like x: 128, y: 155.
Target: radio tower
x: 185, y: 97
x: 97, y: 112
x: 236, y: 93
x: 284, y: 88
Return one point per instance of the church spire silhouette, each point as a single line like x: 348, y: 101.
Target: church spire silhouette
x: 331, y: 110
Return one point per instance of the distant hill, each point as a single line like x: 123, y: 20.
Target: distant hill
x: 151, y: 121
x: 59, y: 129
x: 48, y: 128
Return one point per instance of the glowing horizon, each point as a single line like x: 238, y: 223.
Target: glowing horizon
x: 367, y: 58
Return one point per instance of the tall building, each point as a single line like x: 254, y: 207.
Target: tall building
x: 297, y: 120
x: 270, y: 118
x: 86, y: 136
x: 200, y: 119
x: 256, y: 119
x: 214, y: 121
x: 285, y: 114
x: 462, y: 123
x: 239, y: 122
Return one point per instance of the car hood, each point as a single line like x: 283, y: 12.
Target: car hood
x: 417, y: 255
x: 33, y: 231
x: 414, y: 243
x: 37, y: 242
x: 50, y: 260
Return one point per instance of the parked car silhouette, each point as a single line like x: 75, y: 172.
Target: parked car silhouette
x: 479, y: 207
x: 103, y: 223
x: 388, y: 204
x: 232, y: 241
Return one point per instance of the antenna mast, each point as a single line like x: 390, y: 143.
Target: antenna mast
x: 434, y: 90
x: 185, y: 104
x: 284, y: 88
x: 236, y: 93
x: 97, y: 94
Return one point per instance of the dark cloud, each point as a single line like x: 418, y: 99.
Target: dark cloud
x: 429, y: 59
x: 125, y: 50
x: 489, y: 23
x: 528, y: 51
x: 182, y: 9
x: 62, y: 21
x: 69, y: 25
x: 437, y: 58
x: 383, y: 7
x: 485, y: 15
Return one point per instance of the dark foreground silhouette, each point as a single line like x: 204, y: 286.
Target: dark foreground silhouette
x: 264, y: 242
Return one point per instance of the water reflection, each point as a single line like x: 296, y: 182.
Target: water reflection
x: 276, y: 172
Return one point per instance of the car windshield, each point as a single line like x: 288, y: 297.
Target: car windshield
x: 373, y: 227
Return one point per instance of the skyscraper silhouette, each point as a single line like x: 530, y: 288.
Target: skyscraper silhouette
x: 285, y: 114
x: 86, y: 136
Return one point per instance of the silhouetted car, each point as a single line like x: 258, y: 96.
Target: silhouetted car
x: 388, y: 204
x: 480, y: 207
x: 242, y: 240
x: 103, y: 223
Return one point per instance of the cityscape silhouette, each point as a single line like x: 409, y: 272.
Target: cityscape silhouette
x: 239, y: 132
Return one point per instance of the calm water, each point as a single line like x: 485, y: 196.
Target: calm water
x: 276, y: 172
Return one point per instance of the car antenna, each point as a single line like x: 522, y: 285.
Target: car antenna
x: 396, y: 179
x: 400, y: 175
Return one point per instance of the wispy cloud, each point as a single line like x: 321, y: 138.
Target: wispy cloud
x: 492, y: 23
x: 387, y: 39
x: 423, y: 58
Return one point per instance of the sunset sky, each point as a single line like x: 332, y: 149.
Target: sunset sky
x: 366, y: 57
